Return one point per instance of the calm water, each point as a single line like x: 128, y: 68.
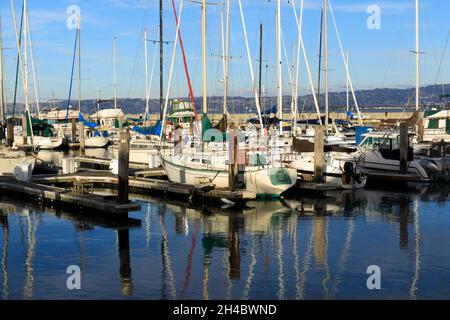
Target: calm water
x: 300, y: 249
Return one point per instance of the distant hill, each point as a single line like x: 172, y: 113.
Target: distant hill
x: 369, y: 100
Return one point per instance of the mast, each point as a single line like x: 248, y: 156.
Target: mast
x: 147, y: 94
x: 25, y: 35
x: 205, y: 104
x: 417, y: 58
x: 226, y: 59
x: 79, y: 62
x: 320, y: 58
x: 325, y: 40
x: 348, y: 84
x: 293, y: 85
x: 19, y: 43
x: 260, y: 62
x: 115, y: 74
x: 161, y: 60
x: 279, y: 62
x: 36, y: 91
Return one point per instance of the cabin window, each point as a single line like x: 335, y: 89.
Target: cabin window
x: 433, y: 124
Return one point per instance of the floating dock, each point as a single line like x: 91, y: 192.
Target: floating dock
x: 67, y: 197
x: 147, y: 186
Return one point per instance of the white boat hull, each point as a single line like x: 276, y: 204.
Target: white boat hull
x: 333, y: 170
x: 264, y: 182
x: 43, y: 143
x: 96, y: 142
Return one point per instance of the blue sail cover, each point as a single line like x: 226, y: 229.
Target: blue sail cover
x: 152, y: 131
x: 91, y: 125
x: 273, y: 110
x: 266, y: 117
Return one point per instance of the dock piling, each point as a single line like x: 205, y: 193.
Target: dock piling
x: 81, y: 138
x: 233, y: 166
x: 24, y: 130
x: 124, y: 163
x: 10, y: 132
x: 404, y: 145
x: 74, y: 131
x: 319, y: 155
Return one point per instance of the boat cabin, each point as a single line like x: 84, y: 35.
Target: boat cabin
x: 387, y: 143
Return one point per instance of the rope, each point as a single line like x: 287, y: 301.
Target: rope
x: 71, y: 76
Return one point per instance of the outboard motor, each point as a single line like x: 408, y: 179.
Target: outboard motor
x: 349, y: 172
x: 437, y: 169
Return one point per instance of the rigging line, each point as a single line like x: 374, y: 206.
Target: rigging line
x: 133, y: 72
x: 442, y: 59
x: 147, y: 111
x: 71, y: 76
x: 186, y: 69
x: 33, y: 69
x: 18, y: 62
x: 166, y: 101
x: 346, y: 65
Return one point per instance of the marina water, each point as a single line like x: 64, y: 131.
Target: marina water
x: 301, y: 248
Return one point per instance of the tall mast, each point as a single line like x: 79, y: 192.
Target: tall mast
x: 348, y: 84
x: 147, y: 95
x: 161, y: 60
x: 115, y: 74
x: 279, y: 62
x: 293, y: 85
x: 417, y: 58
x: 320, y: 58
x: 36, y: 91
x: 25, y: 34
x: 260, y: 62
x: 79, y: 62
x: 227, y: 45
x: 205, y: 104
x: 325, y: 40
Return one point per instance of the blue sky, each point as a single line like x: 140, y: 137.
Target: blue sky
x: 378, y: 58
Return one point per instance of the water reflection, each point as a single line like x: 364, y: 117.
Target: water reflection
x: 123, y: 239
x: 294, y: 249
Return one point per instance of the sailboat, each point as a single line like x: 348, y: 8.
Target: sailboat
x: 210, y: 165
x: 10, y: 157
x: 340, y: 168
x: 43, y: 136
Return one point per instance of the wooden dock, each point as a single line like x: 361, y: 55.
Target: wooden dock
x: 66, y: 197
x: 145, y: 186
x: 313, y: 186
x: 106, y: 162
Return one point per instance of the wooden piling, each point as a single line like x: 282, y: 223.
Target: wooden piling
x: 81, y: 138
x: 234, y: 163
x: 10, y: 132
x: 24, y: 130
x: 319, y: 155
x: 74, y: 130
x: 404, y: 145
x: 124, y: 162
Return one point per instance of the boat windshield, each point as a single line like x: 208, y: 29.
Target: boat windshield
x: 390, y: 143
